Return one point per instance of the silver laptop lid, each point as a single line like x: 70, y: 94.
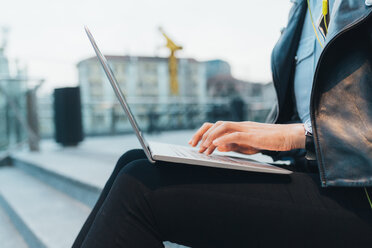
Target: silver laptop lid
x: 119, y: 94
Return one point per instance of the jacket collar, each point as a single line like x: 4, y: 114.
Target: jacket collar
x: 345, y: 14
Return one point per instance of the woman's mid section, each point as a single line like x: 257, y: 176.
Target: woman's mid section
x: 144, y: 204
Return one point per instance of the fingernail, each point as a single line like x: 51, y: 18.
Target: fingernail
x: 190, y: 141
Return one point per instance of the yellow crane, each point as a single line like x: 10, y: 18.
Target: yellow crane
x: 172, y: 63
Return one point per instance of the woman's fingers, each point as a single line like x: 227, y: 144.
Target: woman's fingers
x: 219, y: 129
x: 203, y: 146
x: 232, y: 138
x: 236, y: 148
x: 247, y: 150
x: 224, y: 128
x: 210, y: 150
x: 227, y: 148
x: 216, y: 131
x: 199, y: 134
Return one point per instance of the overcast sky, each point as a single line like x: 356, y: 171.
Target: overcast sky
x: 49, y: 37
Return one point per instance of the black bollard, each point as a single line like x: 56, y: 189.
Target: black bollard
x: 67, y: 116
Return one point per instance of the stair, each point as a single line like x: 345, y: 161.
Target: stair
x: 77, y: 177
x: 44, y: 216
x: 9, y: 236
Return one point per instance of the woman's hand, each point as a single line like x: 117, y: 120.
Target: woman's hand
x: 248, y: 137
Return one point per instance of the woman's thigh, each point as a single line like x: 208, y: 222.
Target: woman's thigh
x: 210, y: 207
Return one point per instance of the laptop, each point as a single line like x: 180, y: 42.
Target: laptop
x: 156, y: 151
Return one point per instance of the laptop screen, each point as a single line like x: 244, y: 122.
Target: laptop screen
x: 119, y: 94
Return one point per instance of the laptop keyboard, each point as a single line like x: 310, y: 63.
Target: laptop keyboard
x: 188, y: 153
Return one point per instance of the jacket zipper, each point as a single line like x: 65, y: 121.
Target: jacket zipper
x: 346, y: 29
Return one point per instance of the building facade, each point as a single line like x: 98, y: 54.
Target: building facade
x: 145, y: 83
x: 204, y: 87
x: 258, y: 98
x: 217, y: 67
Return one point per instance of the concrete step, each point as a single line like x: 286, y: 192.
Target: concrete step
x: 76, y: 176
x: 44, y: 216
x: 9, y: 236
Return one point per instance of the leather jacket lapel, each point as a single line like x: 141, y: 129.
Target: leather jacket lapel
x: 344, y: 14
x: 282, y: 57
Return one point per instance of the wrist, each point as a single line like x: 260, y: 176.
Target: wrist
x: 298, y: 138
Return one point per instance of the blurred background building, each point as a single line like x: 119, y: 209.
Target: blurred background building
x: 144, y: 81
x: 204, y: 87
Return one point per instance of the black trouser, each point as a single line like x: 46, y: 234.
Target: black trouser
x: 144, y: 204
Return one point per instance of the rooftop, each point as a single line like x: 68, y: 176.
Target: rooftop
x: 133, y: 58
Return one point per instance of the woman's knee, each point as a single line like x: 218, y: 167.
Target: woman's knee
x: 141, y: 171
x: 128, y: 157
x: 132, y: 183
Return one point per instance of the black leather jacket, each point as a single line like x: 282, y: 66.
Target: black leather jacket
x: 341, y: 98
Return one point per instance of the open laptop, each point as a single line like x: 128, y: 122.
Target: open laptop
x: 179, y: 154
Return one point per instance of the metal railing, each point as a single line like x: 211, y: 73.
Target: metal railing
x: 108, y: 118
x: 12, y: 115
x: 16, y: 101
